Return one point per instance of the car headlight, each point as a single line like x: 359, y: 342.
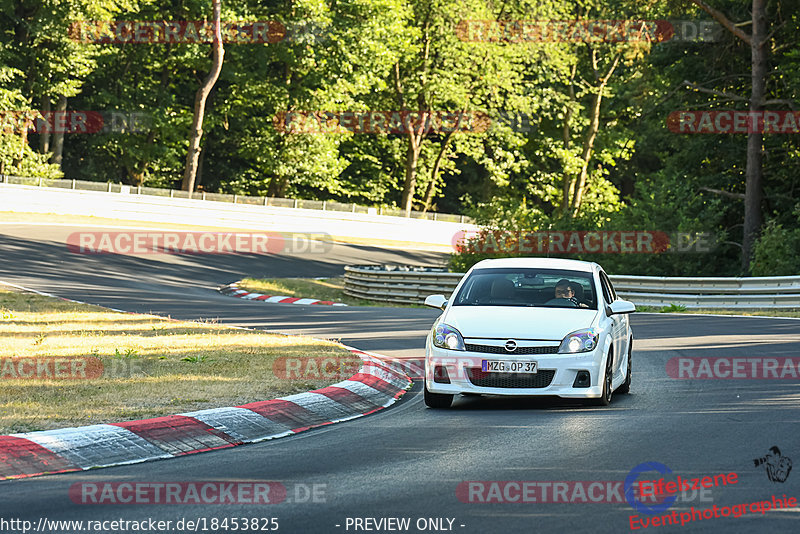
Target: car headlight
x: 447, y: 337
x: 579, y: 341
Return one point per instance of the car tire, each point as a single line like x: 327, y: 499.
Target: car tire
x: 437, y: 400
x: 605, y: 398
x: 625, y: 388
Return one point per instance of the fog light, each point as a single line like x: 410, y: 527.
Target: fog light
x: 582, y: 380
x: 440, y: 375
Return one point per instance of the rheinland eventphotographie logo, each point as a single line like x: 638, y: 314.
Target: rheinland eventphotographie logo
x: 775, y: 464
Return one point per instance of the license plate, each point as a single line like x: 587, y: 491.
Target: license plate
x: 508, y: 366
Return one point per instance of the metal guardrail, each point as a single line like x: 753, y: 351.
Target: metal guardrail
x: 410, y: 285
x: 324, y: 205
x: 398, y: 283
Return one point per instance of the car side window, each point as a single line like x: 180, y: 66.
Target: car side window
x: 610, y: 286
x: 608, y: 290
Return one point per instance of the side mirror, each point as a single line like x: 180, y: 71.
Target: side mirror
x: 436, y: 301
x: 619, y: 307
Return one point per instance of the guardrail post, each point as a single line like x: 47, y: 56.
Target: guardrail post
x: 138, y: 189
x: 381, y: 211
x: 266, y: 201
x: 295, y: 203
x: 462, y: 218
x: 323, y: 204
x: 171, y: 193
x: 235, y: 198
x: 39, y: 182
x: 354, y: 207
x: 109, y: 187
x: 204, y: 195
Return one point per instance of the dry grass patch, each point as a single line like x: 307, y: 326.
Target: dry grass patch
x: 117, y: 366
x: 792, y: 312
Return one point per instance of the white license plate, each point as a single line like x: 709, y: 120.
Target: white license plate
x: 508, y: 366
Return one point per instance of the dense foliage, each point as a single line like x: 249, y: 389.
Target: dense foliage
x: 579, y: 139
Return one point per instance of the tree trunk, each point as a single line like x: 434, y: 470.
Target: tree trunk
x: 437, y: 165
x: 282, y: 187
x: 591, y: 134
x: 586, y: 155
x: 568, y: 187
x: 199, y: 179
x: 44, y: 134
x: 753, y: 194
x: 754, y: 172
x: 410, y: 182
x: 272, y: 187
x: 58, y: 134
x: 193, y: 155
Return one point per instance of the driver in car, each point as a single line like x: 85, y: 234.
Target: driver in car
x: 564, y: 290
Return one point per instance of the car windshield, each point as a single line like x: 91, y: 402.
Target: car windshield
x: 550, y: 288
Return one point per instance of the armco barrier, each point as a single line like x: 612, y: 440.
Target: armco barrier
x: 410, y: 285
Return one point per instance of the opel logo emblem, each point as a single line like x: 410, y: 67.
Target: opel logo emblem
x: 511, y: 345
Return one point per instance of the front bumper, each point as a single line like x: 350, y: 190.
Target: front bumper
x: 556, y: 374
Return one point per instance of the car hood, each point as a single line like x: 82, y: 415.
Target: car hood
x: 517, y: 322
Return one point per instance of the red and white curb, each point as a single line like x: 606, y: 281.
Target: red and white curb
x: 376, y: 386
x: 234, y: 291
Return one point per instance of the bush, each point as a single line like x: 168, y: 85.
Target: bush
x: 777, y: 251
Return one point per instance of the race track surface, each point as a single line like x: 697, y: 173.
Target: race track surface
x: 409, y: 461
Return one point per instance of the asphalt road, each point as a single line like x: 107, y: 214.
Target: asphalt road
x: 408, y: 461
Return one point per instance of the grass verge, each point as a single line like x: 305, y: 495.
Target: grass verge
x: 118, y: 366
x: 676, y: 308
x: 326, y: 289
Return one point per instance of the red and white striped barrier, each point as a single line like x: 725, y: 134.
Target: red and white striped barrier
x: 375, y: 386
x: 234, y: 291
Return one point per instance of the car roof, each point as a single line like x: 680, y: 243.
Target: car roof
x: 541, y: 263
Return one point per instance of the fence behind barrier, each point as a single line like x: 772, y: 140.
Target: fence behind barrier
x: 325, y: 205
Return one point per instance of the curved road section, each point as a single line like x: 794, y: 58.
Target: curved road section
x: 712, y: 397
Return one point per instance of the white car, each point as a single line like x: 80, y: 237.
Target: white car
x: 530, y: 326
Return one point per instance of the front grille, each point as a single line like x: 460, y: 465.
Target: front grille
x: 491, y: 349
x: 483, y: 379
